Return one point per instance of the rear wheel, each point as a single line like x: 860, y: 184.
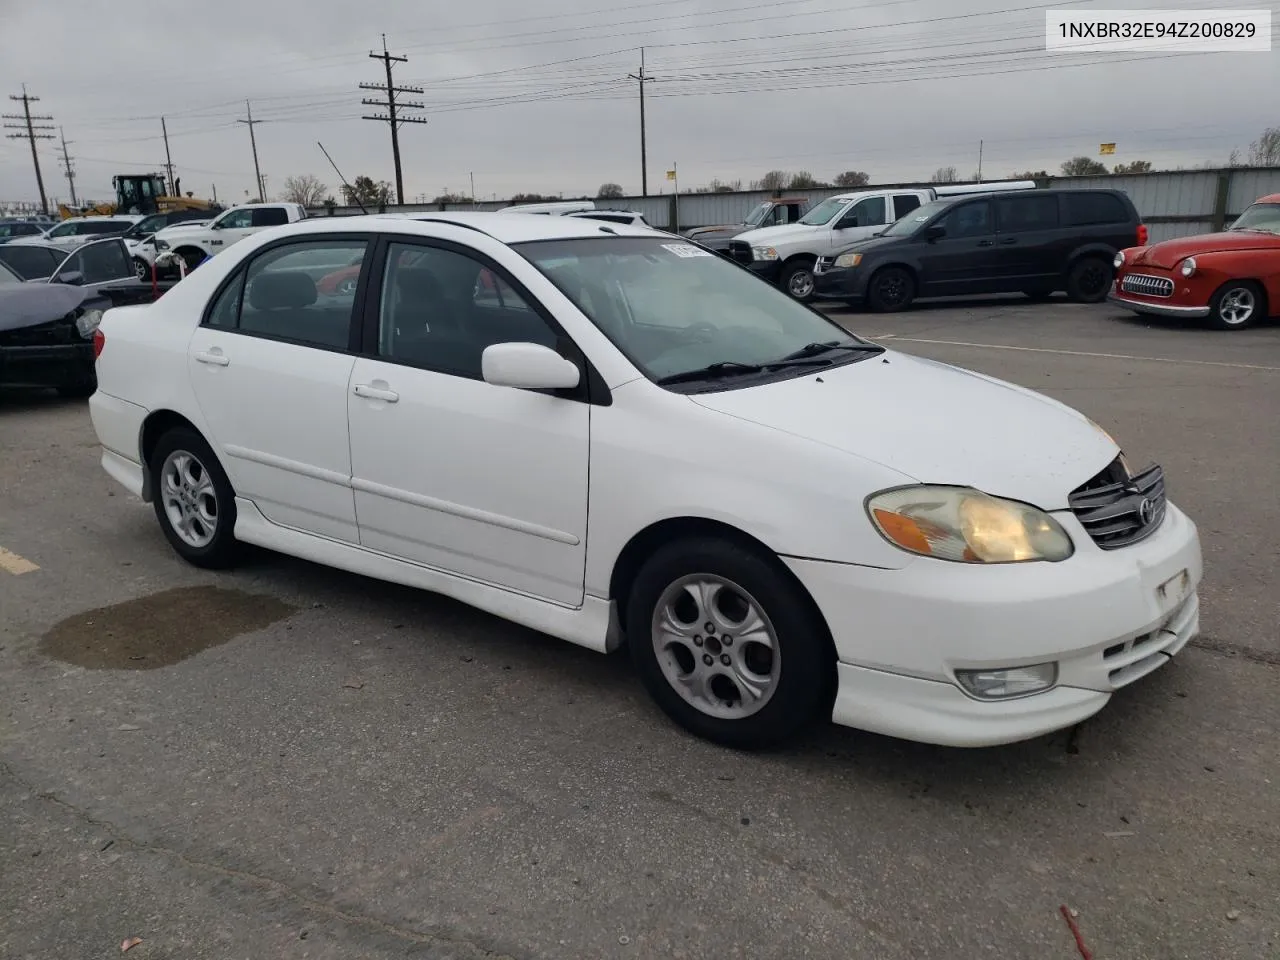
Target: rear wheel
x: 1237, y: 305
x: 797, y: 280
x: 727, y: 644
x: 1089, y: 279
x: 193, y: 499
x: 141, y: 269
x: 891, y: 289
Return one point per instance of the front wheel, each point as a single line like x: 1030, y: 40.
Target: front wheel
x: 892, y: 289
x: 797, y: 280
x: 728, y: 645
x: 193, y: 500
x: 1237, y: 305
x: 141, y: 269
x: 1089, y: 280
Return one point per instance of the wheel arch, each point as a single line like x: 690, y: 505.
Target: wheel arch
x: 155, y: 426
x: 1099, y: 251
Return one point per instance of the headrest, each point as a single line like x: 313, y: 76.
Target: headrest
x: 282, y: 291
x: 418, y: 286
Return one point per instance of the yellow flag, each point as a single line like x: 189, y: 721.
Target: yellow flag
x: 1105, y: 148
x: 671, y: 174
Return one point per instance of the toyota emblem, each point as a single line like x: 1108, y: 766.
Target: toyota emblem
x: 1146, y: 511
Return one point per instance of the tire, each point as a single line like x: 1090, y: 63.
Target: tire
x: 1089, y: 280
x: 195, y: 544
x: 78, y: 389
x: 732, y: 580
x: 1237, y: 305
x: 141, y: 269
x: 891, y: 289
x: 797, y: 280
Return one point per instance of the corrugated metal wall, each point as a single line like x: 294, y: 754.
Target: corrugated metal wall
x: 1174, y: 204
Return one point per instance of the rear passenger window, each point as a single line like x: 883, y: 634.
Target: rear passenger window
x: 903, y: 204
x: 286, y: 296
x: 269, y: 216
x: 1021, y: 214
x: 1087, y: 207
x: 440, y: 309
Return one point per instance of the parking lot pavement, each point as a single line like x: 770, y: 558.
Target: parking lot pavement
x: 287, y: 761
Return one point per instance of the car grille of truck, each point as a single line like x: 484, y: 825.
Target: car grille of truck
x: 1147, y: 286
x: 740, y: 251
x: 1117, y: 509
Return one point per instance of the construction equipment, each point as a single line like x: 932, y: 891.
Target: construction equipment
x: 141, y: 194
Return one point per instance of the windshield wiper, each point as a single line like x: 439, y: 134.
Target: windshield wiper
x: 813, y: 349
x: 725, y: 368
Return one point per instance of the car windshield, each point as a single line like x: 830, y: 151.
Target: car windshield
x: 146, y: 226
x: 823, y: 212
x: 675, y: 308
x: 757, y: 215
x: 913, y: 221
x: 1260, y: 216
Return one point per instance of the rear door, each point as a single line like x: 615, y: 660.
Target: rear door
x: 904, y: 203
x: 1028, y: 240
x: 99, y: 263
x: 964, y: 260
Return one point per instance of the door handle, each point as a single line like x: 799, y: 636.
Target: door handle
x: 217, y: 359
x: 985, y: 243
x: 1008, y: 240
x: 375, y: 393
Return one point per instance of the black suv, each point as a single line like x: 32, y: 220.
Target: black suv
x: 1035, y: 242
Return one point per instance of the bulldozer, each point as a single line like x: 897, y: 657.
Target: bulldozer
x: 141, y: 194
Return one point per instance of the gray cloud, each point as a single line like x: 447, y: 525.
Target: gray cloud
x: 539, y: 101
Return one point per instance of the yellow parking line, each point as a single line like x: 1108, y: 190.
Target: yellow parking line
x: 10, y: 562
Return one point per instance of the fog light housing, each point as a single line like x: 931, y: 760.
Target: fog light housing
x: 1008, y: 682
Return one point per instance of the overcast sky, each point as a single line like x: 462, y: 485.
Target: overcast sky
x: 539, y: 101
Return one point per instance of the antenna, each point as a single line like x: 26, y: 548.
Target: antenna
x: 350, y: 189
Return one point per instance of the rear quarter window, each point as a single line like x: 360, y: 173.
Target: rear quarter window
x: 1085, y: 208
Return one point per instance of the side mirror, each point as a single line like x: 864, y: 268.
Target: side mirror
x: 73, y: 277
x: 845, y: 223
x: 527, y: 366
x: 935, y: 232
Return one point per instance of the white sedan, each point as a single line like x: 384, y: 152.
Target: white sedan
x: 612, y: 436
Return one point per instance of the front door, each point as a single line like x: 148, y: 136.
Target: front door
x: 270, y: 366
x: 485, y: 482
x: 233, y: 226
x: 858, y: 222
x: 964, y: 260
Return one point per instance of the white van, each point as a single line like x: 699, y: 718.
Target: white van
x: 556, y: 209
x: 785, y: 255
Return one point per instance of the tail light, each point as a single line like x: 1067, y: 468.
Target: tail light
x: 1142, y: 235
x: 99, y: 341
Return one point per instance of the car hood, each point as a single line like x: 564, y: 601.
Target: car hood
x: 723, y: 232
x: 935, y: 423
x: 767, y: 236
x: 1170, y: 253
x: 872, y: 243
x: 29, y: 304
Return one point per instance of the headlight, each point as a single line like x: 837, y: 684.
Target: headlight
x: 88, y: 322
x: 1008, y: 682
x: 162, y: 244
x: 1118, y: 262
x: 966, y: 526
x: 764, y: 253
x: 1189, y: 266
x: 848, y: 259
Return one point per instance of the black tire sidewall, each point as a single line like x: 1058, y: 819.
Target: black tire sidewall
x: 874, y: 299
x: 1073, y: 279
x: 806, y: 682
x: 222, y: 550
x: 1215, y: 305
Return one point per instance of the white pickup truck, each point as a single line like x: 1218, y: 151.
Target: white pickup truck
x: 195, y: 244
x: 785, y: 255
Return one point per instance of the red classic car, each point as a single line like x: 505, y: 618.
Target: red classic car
x: 1231, y: 279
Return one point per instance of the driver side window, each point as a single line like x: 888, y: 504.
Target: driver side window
x: 238, y: 220
x: 968, y: 220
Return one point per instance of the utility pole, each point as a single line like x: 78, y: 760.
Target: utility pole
x: 68, y: 169
x: 392, y: 116
x: 257, y: 171
x: 642, y: 79
x: 168, y: 160
x: 979, y: 161
x: 31, y: 136
x: 473, y: 191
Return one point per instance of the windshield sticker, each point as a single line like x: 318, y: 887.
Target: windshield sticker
x: 686, y: 250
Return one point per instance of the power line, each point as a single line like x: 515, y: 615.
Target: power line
x: 68, y: 169
x: 391, y: 117
x: 257, y: 171
x: 31, y: 136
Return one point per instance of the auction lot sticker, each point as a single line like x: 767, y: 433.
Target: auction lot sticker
x: 686, y: 250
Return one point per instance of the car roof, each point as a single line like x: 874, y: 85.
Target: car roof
x: 1269, y: 198
x: 504, y: 227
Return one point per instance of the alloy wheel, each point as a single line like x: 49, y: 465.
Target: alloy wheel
x: 189, y: 499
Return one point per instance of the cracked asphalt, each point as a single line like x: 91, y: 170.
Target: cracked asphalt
x: 288, y: 761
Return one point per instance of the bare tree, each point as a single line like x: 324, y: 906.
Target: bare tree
x: 1233, y: 158
x: 609, y: 191
x: 306, y: 190
x: 1083, y: 167
x: 944, y: 175
x: 804, y: 180
x: 774, y: 180
x: 1265, y: 151
x: 1135, y: 166
x: 852, y: 178
x: 720, y: 186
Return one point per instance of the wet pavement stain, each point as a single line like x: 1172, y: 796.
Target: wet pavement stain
x: 161, y: 629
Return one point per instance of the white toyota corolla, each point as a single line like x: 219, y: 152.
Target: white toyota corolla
x: 608, y: 434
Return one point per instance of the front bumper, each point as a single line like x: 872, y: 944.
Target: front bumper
x: 46, y: 365
x: 840, y: 283
x: 1154, y: 307
x: 769, y: 270
x: 900, y: 635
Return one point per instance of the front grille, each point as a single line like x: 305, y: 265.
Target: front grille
x: 1117, y: 509
x: 740, y: 251
x: 1146, y: 285
x: 824, y: 264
